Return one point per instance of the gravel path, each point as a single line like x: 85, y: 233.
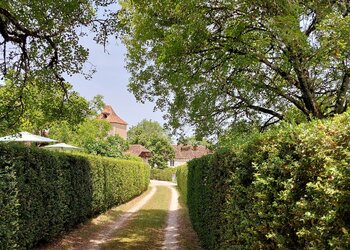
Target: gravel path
x: 177, y: 232
x: 104, y: 235
x: 172, y: 230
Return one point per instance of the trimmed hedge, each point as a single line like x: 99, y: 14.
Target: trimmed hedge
x: 44, y: 193
x: 181, y: 178
x: 165, y: 174
x: 285, y: 189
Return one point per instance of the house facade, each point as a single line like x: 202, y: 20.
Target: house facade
x: 119, y: 126
x: 185, y: 153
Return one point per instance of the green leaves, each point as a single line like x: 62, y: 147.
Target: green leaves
x: 40, y: 105
x: 286, y: 188
x: 43, y: 193
x: 212, y: 64
x: 156, y: 139
x: 40, y: 43
x: 92, y: 136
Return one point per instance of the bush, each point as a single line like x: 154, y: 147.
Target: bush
x: 285, y: 189
x: 181, y: 179
x: 45, y: 193
x: 165, y: 174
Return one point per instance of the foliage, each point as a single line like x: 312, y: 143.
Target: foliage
x: 181, y: 179
x: 141, y: 133
x: 286, y: 188
x: 112, y: 146
x: 96, y: 105
x: 40, y: 42
x: 237, y: 134
x: 193, y: 141
x: 156, y: 139
x: 225, y: 61
x: 162, y: 151
x: 44, y: 193
x: 132, y: 158
x: 165, y: 174
x: 40, y: 106
x: 92, y: 135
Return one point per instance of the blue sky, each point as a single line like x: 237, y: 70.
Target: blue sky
x: 111, y: 80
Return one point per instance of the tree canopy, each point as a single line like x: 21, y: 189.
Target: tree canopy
x: 39, y: 107
x: 39, y: 42
x: 144, y: 129
x: 193, y: 141
x: 155, y: 138
x: 91, y: 135
x: 209, y: 64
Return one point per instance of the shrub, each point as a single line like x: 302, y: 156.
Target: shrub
x: 285, y: 189
x: 181, y: 178
x: 45, y: 193
x: 165, y: 174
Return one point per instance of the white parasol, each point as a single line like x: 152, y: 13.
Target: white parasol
x: 62, y: 146
x: 25, y: 137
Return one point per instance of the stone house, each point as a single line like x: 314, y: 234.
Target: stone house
x: 119, y: 126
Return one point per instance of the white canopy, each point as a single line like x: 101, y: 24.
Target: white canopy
x: 62, y: 146
x: 25, y: 137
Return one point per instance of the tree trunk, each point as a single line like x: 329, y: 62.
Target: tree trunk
x: 342, y: 101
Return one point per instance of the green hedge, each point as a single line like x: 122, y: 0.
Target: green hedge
x: 288, y: 188
x: 43, y: 194
x: 165, y: 174
x: 181, y: 179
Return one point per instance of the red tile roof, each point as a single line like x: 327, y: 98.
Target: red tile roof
x: 109, y: 115
x: 190, y: 152
x: 138, y: 150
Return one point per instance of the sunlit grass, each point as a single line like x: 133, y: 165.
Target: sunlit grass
x: 146, y: 231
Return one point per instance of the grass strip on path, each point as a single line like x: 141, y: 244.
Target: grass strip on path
x: 171, y: 240
x: 79, y: 238
x: 146, y: 231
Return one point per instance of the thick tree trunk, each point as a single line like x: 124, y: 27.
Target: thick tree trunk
x: 341, y: 102
x: 307, y: 94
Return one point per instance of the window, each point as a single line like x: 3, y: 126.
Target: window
x: 172, y: 163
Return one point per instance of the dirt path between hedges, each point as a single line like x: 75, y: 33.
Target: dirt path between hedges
x: 124, y: 227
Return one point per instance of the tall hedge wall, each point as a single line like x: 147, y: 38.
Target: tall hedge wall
x: 43, y: 193
x: 181, y: 179
x: 165, y: 174
x: 288, y: 188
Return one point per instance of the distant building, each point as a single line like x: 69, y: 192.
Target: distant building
x: 185, y: 153
x: 119, y: 126
x: 140, y: 151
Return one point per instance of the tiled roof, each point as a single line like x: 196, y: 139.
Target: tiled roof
x: 138, y: 150
x: 109, y: 115
x: 190, y: 152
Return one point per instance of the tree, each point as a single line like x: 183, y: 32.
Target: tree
x: 91, y: 135
x: 210, y: 64
x: 39, y: 41
x: 112, y: 146
x: 193, y: 141
x: 237, y: 134
x: 43, y: 106
x: 156, y: 139
x: 96, y: 105
x: 144, y: 129
x: 161, y: 149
